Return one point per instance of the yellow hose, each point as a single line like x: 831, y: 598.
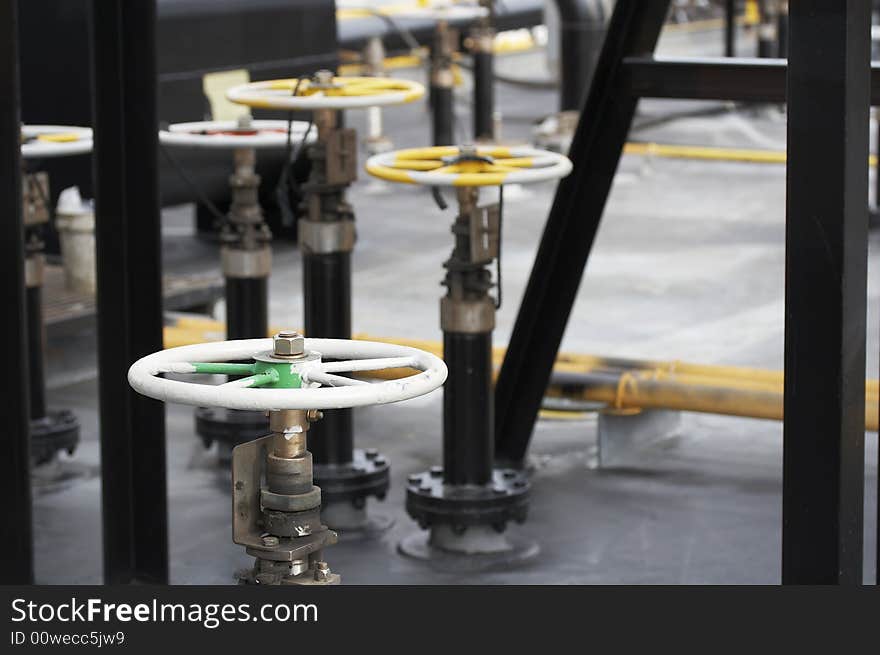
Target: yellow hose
x: 637, y: 383
x: 640, y: 391
x: 707, y: 153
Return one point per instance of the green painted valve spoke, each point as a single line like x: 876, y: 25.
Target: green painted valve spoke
x: 224, y: 368
x: 268, y: 375
x: 267, y: 378
x: 286, y: 377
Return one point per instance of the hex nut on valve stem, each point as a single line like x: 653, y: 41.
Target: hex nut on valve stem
x: 289, y: 344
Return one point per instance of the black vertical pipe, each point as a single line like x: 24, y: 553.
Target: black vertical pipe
x: 484, y: 96
x: 247, y: 307
x: 582, y: 27
x: 877, y: 172
x: 468, y: 409
x: 442, y: 115
x: 730, y: 28
x: 766, y: 31
x: 571, y: 227
x: 826, y: 269
x: 35, y: 352
x: 327, y: 298
x: 129, y: 294
x: 782, y: 34
x: 16, y: 528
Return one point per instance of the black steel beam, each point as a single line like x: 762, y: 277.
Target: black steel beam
x: 716, y: 78
x: 825, y: 292
x: 16, y: 529
x: 571, y: 226
x: 129, y: 289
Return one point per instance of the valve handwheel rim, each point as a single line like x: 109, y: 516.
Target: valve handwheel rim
x: 445, y: 10
x: 39, y: 141
x: 468, y: 166
x: 231, y: 134
x: 354, y: 355
x: 341, y: 93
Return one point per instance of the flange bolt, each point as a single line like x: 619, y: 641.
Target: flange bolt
x: 322, y: 572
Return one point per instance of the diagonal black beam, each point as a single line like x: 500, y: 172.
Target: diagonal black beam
x: 572, y: 226
x: 715, y: 78
x: 16, y: 531
x: 129, y: 289
x: 825, y: 292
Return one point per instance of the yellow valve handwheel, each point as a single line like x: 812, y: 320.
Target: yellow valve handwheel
x: 461, y: 166
x: 332, y: 93
x: 41, y: 141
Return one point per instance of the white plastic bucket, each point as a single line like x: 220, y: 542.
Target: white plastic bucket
x: 75, y: 221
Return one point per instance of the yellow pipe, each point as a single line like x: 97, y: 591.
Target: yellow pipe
x: 732, y: 379
x: 639, y: 391
x: 706, y: 153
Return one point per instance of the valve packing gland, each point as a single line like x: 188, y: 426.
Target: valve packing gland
x: 467, y: 316
x: 34, y: 270
x: 325, y: 237
x: 240, y: 263
x: 290, y: 503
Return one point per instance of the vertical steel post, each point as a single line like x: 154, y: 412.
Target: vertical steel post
x: 571, y: 227
x: 129, y: 291
x: 16, y: 529
x: 826, y: 268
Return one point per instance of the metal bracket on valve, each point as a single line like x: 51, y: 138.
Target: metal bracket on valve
x: 341, y: 157
x: 247, y: 490
x: 35, y: 193
x: 485, y: 226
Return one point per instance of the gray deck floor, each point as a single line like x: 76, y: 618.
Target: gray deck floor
x: 689, y: 265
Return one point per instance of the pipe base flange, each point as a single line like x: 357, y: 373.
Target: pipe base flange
x: 431, y: 503
x: 229, y: 428
x: 366, y: 475
x: 58, y: 430
x: 479, y: 550
x: 354, y: 524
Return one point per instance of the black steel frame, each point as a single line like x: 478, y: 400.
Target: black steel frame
x: 825, y: 352
x: 825, y: 292
x: 16, y: 528
x: 129, y: 292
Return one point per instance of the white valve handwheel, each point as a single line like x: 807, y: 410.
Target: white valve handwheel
x: 40, y: 141
x: 484, y: 166
x: 229, y: 134
x: 346, y: 93
x: 355, y: 356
